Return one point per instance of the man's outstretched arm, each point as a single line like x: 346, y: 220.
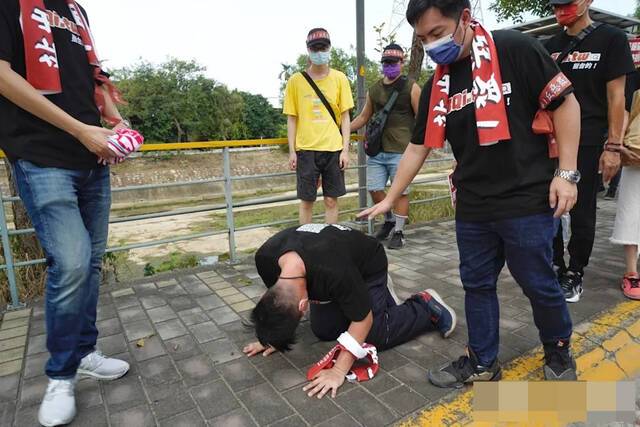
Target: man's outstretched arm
x: 331, y: 379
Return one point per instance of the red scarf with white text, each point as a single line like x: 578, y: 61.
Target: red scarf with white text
x: 491, y: 111
x: 41, y: 57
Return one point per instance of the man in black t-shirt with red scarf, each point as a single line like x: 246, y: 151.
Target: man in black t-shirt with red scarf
x: 52, y: 96
x: 597, y: 67
x: 507, y: 111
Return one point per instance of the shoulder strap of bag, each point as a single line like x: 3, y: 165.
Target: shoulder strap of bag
x: 576, y: 41
x: 395, y: 95
x: 321, y: 96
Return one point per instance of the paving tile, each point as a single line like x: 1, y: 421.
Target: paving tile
x: 403, y: 400
x: 12, y: 333
x: 415, y: 377
x: 125, y: 302
x: 27, y: 416
x: 205, y: 332
x: 215, y: 286
x: 9, y: 368
x: 14, y: 323
x: 105, y: 312
x: 219, y: 393
x: 265, y: 411
x: 223, y: 315
x: 152, y: 301
x: 17, y: 314
x: 210, y: 302
x: 182, y: 347
x: 130, y: 314
x: 136, y: 330
x: 7, y: 412
x: 227, y: 292
x: 123, y: 394
x: 159, y: 371
x: 161, y: 314
x: 140, y: 416
x: 365, y: 408
x: 236, y: 298
x: 97, y: 417
x: 166, y: 283
x: 34, y: 365
x: 181, y: 303
x: 15, y: 342
x: 342, y: 420
x: 170, y: 329
x: 32, y: 390
x: 235, y: 418
x: 174, y: 290
x: 10, y: 355
x: 293, y: 421
x: 109, y: 327
x: 88, y: 394
x: 243, y: 306
x: 381, y: 383
x: 9, y: 387
x: 122, y: 292
x: 197, y: 370
x: 240, y: 375
x: 113, y: 344
x: 151, y: 347
x: 221, y: 351
x: 279, y: 372
x: 421, y: 354
x: 314, y: 411
x: 145, y: 289
x: 253, y: 291
x: 198, y: 289
x: 193, y: 316
x: 187, y: 419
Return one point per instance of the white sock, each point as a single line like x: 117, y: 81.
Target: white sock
x: 388, y: 217
x: 400, y: 221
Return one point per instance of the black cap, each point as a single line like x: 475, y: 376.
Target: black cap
x: 559, y: 2
x: 393, y: 52
x: 318, y: 37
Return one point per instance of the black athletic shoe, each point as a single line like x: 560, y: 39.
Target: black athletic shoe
x: 465, y: 370
x: 559, y: 364
x: 571, y: 284
x: 385, y: 230
x: 610, y: 195
x: 397, y: 240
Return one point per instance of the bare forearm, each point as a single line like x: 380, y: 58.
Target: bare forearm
x: 359, y: 331
x: 616, y: 119
x: 346, y: 131
x: 358, y: 123
x: 17, y: 90
x: 566, y: 120
x: 292, y: 127
x: 412, y: 160
x: 110, y: 108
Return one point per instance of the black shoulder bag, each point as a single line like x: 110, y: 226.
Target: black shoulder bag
x: 375, y: 128
x: 322, y: 98
x: 576, y: 41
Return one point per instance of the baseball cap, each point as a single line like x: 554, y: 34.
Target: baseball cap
x: 559, y: 2
x: 393, y: 52
x: 318, y: 37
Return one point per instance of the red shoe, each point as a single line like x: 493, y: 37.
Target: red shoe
x: 631, y: 286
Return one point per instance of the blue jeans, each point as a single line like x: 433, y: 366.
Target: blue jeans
x: 70, y: 212
x: 526, y: 244
x: 381, y: 169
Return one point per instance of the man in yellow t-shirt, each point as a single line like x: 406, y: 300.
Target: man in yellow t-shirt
x: 319, y: 139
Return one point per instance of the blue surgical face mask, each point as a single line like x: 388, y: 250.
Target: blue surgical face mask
x: 445, y: 50
x: 320, y: 58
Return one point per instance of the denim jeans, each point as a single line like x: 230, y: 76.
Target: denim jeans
x: 526, y: 244
x: 70, y: 212
x: 381, y: 169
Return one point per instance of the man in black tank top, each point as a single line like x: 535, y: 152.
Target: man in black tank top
x: 397, y: 134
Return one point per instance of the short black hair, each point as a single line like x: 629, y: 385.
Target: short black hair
x: 448, y: 8
x: 275, y: 320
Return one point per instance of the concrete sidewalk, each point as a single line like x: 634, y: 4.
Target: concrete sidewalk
x: 183, y: 337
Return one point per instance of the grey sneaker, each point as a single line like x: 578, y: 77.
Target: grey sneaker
x: 571, y: 284
x: 465, y: 370
x: 384, y: 231
x: 559, y: 363
x: 97, y: 366
x: 397, y: 240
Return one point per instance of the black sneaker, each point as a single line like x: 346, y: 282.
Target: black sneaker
x: 443, y: 317
x: 397, y: 240
x: 559, y: 363
x: 385, y: 230
x: 465, y: 370
x: 571, y: 284
x: 610, y: 195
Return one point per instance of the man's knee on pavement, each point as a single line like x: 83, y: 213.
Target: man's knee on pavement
x: 276, y: 317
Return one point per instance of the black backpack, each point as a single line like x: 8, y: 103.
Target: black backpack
x: 375, y: 128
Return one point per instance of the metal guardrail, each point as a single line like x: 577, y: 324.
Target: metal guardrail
x: 228, y: 206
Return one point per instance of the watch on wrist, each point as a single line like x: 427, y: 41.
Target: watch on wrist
x: 568, y: 175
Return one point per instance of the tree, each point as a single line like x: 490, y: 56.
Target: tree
x: 515, y: 9
x: 637, y: 11
x: 261, y: 118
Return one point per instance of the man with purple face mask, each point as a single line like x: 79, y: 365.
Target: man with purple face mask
x: 395, y: 138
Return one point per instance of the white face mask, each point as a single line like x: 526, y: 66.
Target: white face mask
x: 320, y: 58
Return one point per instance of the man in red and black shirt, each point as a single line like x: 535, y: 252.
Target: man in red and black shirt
x: 488, y: 91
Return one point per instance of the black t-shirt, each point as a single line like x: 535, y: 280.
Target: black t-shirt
x: 24, y: 136
x: 603, y: 56
x: 632, y: 85
x: 510, y: 179
x: 338, y: 260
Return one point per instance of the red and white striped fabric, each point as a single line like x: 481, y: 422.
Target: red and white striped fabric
x: 123, y: 143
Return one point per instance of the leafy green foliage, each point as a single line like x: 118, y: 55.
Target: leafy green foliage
x: 176, y: 102
x: 515, y: 9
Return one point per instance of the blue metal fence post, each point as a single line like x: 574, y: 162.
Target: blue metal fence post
x: 228, y: 197
x: 8, y: 258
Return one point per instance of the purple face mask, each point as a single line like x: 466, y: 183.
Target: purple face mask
x: 391, y: 71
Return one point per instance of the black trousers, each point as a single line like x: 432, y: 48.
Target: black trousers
x: 392, y: 324
x: 583, y: 214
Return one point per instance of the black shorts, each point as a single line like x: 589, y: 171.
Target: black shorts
x: 315, y: 164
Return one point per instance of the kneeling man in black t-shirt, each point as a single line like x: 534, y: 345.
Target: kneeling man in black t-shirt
x: 341, y: 275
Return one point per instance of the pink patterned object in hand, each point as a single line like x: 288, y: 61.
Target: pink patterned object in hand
x: 123, y: 143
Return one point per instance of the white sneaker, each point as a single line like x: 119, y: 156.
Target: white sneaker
x: 59, y: 404
x: 96, y: 365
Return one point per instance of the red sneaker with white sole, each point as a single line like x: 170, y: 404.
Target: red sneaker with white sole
x: 631, y: 286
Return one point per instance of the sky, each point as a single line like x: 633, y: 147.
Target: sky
x: 243, y: 43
